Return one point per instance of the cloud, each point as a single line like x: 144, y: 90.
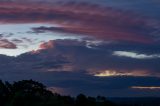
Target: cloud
x: 146, y: 87
x: 56, y: 43
x: 109, y: 73
x: 82, y: 18
x: 71, y: 66
x: 1, y: 36
x: 97, y: 59
x: 43, y: 29
x: 135, y: 55
x: 47, y: 45
x: 17, y: 41
x: 5, y: 44
x: 27, y: 39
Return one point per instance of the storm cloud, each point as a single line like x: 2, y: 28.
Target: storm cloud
x: 72, y: 66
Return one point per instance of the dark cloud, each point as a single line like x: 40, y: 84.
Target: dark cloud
x: 97, y: 58
x: 1, y: 36
x: 27, y: 39
x: 70, y: 65
x: 43, y: 29
x: 17, y: 40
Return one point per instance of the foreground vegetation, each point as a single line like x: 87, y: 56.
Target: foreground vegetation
x: 32, y: 93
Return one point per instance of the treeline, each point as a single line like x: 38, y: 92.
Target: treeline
x: 32, y: 93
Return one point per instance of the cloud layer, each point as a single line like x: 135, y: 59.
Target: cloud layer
x: 82, y: 18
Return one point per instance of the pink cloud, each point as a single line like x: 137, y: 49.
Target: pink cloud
x: 82, y: 18
x: 4, y: 43
x: 47, y: 45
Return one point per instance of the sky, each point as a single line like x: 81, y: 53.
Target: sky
x: 95, y: 47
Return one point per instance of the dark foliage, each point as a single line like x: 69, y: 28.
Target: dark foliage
x: 32, y: 93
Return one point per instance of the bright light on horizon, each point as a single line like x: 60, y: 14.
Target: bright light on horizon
x: 110, y: 73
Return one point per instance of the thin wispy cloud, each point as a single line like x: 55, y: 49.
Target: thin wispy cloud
x: 135, y: 55
x: 146, y: 87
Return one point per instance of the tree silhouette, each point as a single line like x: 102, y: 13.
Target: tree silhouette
x: 28, y: 93
x: 81, y: 100
x: 4, y: 93
x: 33, y: 93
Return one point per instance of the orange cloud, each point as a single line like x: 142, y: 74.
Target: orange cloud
x: 134, y: 73
x: 47, y: 45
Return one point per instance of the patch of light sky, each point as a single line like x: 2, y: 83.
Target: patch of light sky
x: 31, y: 41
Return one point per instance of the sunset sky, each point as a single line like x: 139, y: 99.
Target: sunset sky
x: 95, y: 47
